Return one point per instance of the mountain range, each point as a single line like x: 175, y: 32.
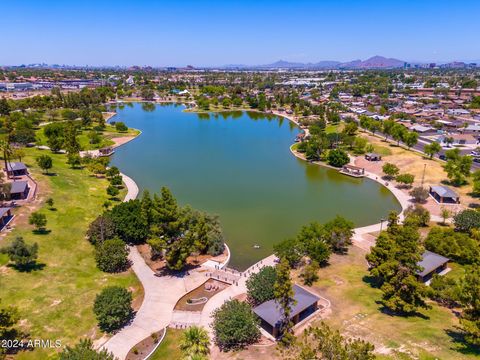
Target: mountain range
x: 375, y: 62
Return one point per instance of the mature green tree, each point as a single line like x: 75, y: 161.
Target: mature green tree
x: 387, y: 128
x: 398, y: 132
x: 321, y: 343
x: 121, y: 127
x: 405, y: 179
x: 289, y: 249
x: 235, y: 326
x: 38, y: 220
x: 313, y: 241
x: 390, y: 170
x: 338, y: 233
x: 112, y: 255
x: 45, y: 163
x: 455, y: 245
x: 467, y: 220
x: 419, y: 194
x: 9, y: 317
x: 432, y: 149
x: 84, y: 350
x: 470, y: 299
x: 101, y: 229
x: 410, y: 138
x: 310, y: 273
x: 195, y: 342
x: 416, y: 215
x: 113, y: 308
x: 4, y: 106
x: 128, y: 222
x: 337, y: 158
x: 457, y: 167
x: 112, y: 191
x: 260, y: 286
x: 284, y: 297
x: 23, y: 256
x: 74, y: 160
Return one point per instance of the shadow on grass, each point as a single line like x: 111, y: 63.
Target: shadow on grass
x: 27, y: 268
x: 458, y: 337
x: 164, y: 271
x: 392, y: 313
x: 42, y: 231
x: 372, y: 281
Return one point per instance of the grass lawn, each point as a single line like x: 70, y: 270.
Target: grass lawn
x: 170, y: 346
x: 55, y: 302
x: 356, y: 313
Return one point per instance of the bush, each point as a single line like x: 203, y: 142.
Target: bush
x: 467, y: 220
x: 129, y: 223
x: 260, y: 286
x: 113, y: 308
x: 112, y: 256
x: 337, y: 158
x: 445, y: 290
x: 235, y: 326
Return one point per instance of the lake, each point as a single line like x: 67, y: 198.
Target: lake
x: 239, y: 165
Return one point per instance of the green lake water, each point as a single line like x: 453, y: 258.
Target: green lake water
x: 239, y: 166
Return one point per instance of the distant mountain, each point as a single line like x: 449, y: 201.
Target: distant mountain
x: 375, y: 62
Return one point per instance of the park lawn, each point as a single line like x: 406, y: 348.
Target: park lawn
x: 356, y: 313
x: 412, y: 162
x: 55, y: 302
x: 169, y: 347
x: 334, y: 128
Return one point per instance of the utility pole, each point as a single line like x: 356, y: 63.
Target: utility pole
x: 423, y: 175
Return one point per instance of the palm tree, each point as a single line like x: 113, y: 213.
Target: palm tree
x: 195, y: 343
x: 7, y: 152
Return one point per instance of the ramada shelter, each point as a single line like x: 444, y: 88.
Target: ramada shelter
x: 270, y: 313
x: 5, y: 216
x: 431, y: 264
x: 19, y: 190
x: 16, y: 169
x: 444, y: 195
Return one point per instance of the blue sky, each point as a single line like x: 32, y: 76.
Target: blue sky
x: 203, y: 33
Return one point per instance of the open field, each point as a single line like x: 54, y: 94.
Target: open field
x: 55, y: 301
x: 356, y: 313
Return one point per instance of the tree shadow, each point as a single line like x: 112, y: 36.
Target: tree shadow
x: 42, y: 231
x: 372, y: 281
x: 50, y: 174
x: 27, y: 268
x: 389, y: 312
x: 460, y: 344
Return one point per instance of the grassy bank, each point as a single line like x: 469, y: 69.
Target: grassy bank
x: 170, y: 346
x: 55, y: 302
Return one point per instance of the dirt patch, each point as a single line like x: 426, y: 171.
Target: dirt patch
x: 196, y: 299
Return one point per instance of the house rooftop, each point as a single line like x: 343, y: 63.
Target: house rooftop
x: 430, y: 262
x: 3, y: 211
x: 271, y: 312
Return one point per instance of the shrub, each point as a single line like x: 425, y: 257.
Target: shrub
x: 111, y: 255
x: 38, y: 220
x: 310, y: 273
x: 113, y: 308
x: 260, y: 286
x: 417, y: 215
x: 120, y: 126
x: 235, y: 326
x: 405, y: 179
